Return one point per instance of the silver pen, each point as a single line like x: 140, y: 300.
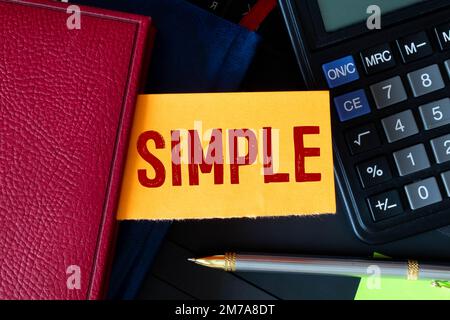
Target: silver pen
x: 408, y: 269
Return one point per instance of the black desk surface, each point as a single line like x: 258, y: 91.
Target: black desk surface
x: 172, y: 277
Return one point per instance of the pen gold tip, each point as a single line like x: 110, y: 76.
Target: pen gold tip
x: 217, y: 262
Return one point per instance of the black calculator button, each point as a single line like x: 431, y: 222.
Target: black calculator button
x: 447, y: 67
x: 415, y: 47
x: 412, y: 159
x: 374, y: 172
x: 435, y: 114
x: 399, y: 126
x: 426, y: 80
x: 377, y: 59
x: 363, y: 139
x: 423, y: 193
x: 441, y: 148
x: 443, y: 34
x: 388, y: 92
x: 446, y: 180
x: 385, y: 205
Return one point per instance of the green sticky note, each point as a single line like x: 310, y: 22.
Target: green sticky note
x: 398, y: 289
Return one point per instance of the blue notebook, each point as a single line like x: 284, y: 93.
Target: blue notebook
x: 194, y: 51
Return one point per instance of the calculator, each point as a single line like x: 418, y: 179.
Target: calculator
x: 390, y: 92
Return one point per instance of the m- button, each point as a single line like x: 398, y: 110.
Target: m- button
x: 378, y: 59
x: 414, y: 47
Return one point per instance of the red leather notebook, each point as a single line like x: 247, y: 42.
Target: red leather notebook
x: 66, y: 105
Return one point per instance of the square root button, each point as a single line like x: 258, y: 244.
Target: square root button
x: 352, y: 105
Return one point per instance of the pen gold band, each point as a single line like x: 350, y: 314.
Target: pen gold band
x: 230, y: 261
x: 413, y: 270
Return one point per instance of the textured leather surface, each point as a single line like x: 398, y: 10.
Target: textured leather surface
x: 66, y: 105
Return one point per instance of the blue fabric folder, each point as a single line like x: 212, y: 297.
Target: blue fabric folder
x: 194, y: 51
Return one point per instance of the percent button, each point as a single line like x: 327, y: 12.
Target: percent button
x: 374, y: 172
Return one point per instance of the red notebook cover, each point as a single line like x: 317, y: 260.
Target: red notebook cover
x: 66, y: 105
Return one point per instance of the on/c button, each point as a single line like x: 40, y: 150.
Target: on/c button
x: 340, y: 71
x: 352, y: 105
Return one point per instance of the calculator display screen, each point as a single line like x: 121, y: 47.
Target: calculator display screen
x: 338, y: 14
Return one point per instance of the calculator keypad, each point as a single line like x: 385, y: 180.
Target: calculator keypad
x: 396, y: 152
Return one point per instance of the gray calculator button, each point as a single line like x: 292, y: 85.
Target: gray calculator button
x: 423, y: 193
x: 441, y: 148
x: 447, y: 66
x: 426, y: 80
x: 399, y: 126
x: 435, y: 114
x: 388, y: 92
x: 411, y: 160
x: 446, y: 180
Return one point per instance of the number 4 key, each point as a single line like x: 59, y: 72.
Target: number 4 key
x: 399, y: 126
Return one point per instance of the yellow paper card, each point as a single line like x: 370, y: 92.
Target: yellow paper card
x: 224, y: 155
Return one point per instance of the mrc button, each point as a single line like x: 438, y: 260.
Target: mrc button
x: 340, y: 71
x: 352, y: 105
x: 377, y: 59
